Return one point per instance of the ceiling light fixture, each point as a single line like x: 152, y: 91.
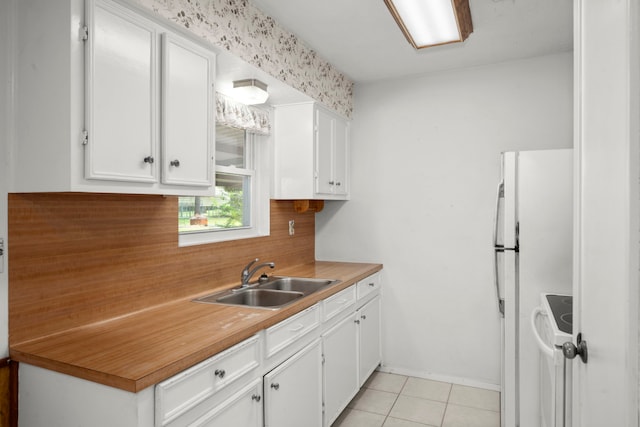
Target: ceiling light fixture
x: 250, y: 91
x: 428, y: 23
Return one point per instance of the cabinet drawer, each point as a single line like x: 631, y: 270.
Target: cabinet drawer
x: 339, y: 302
x: 368, y: 285
x: 182, y: 392
x: 288, y: 331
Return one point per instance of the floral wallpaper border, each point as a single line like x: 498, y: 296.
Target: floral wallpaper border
x: 245, y: 31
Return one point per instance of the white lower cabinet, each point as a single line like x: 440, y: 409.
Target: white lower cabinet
x: 340, y: 351
x: 244, y: 409
x: 301, y: 372
x: 293, y: 390
x: 368, y: 320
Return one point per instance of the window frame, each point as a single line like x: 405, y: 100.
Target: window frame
x: 257, y: 157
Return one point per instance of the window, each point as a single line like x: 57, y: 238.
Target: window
x: 240, y: 206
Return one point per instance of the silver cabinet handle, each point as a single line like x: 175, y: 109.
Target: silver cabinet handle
x: 372, y: 284
x: 175, y: 163
x: 149, y: 159
x: 357, y: 321
x: 220, y: 373
x: 275, y: 386
x: 256, y: 397
x: 331, y: 182
x: 338, y: 183
x: 363, y: 317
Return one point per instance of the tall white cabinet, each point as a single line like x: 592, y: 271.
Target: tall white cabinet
x: 109, y: 100
x: 311, y: 153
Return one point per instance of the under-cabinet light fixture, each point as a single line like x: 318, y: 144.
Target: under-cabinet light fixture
x: 250, y: 91
x: 428, y: 23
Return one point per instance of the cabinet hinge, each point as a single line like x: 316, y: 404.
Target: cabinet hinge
x: 85, y: 137
x: 84, y: 33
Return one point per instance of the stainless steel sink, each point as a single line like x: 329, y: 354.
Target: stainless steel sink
x: 253, y: 297
x: 272, y: 293
x: 295, y: 284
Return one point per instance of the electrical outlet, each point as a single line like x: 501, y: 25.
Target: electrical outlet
x: 292, y: 229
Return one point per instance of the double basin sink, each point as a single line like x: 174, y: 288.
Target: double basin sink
x: 273, y: 292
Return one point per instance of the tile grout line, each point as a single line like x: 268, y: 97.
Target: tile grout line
x: 394, y: 402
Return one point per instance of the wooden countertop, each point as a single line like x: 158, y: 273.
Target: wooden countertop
x: 140, y: 349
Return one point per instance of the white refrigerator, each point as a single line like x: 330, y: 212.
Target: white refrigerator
x: 533, y: 232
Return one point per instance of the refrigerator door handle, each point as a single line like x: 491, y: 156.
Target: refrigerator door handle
x: 496, y: 273
x: 499, y: 195
x: 497, y: 248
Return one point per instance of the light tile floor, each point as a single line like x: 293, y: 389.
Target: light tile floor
x: 390, y: 400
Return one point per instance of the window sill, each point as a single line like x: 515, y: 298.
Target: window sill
x: 205, y: 237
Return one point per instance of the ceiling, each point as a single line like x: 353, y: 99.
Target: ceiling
x: 361, y: 39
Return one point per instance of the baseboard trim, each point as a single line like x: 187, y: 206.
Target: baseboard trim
x: 437, y: 377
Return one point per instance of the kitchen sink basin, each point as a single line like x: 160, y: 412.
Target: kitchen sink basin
x: 272, y: 292
x: 295, y: 284
x: 254, y: 297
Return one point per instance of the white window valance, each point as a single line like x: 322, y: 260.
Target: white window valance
x: 234, y: 114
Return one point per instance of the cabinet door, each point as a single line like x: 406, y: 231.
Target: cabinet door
x: 324, y: 129
x: 121, y: 113
x: 187, y: 112
x: 341, y: 158
x: 340, y: 368
x: 293, y: 390
x: 369, y: 338
x: 244, y: 409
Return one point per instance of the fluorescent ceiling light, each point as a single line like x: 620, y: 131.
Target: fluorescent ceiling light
x: 432, y: 22
x: 250, y: 91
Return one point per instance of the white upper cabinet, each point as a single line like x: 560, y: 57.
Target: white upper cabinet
x: 110, y: 101
x: 330, y: 154
x: 121, y: 95
x: 187, y: 113
x: 311, y: 153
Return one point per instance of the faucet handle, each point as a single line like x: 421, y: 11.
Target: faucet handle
x: 245, y: 270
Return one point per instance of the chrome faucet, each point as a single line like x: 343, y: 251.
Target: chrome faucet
x: 246, y: 274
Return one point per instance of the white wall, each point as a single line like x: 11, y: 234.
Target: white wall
x: 425, y: 165
x: 5, y: 134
